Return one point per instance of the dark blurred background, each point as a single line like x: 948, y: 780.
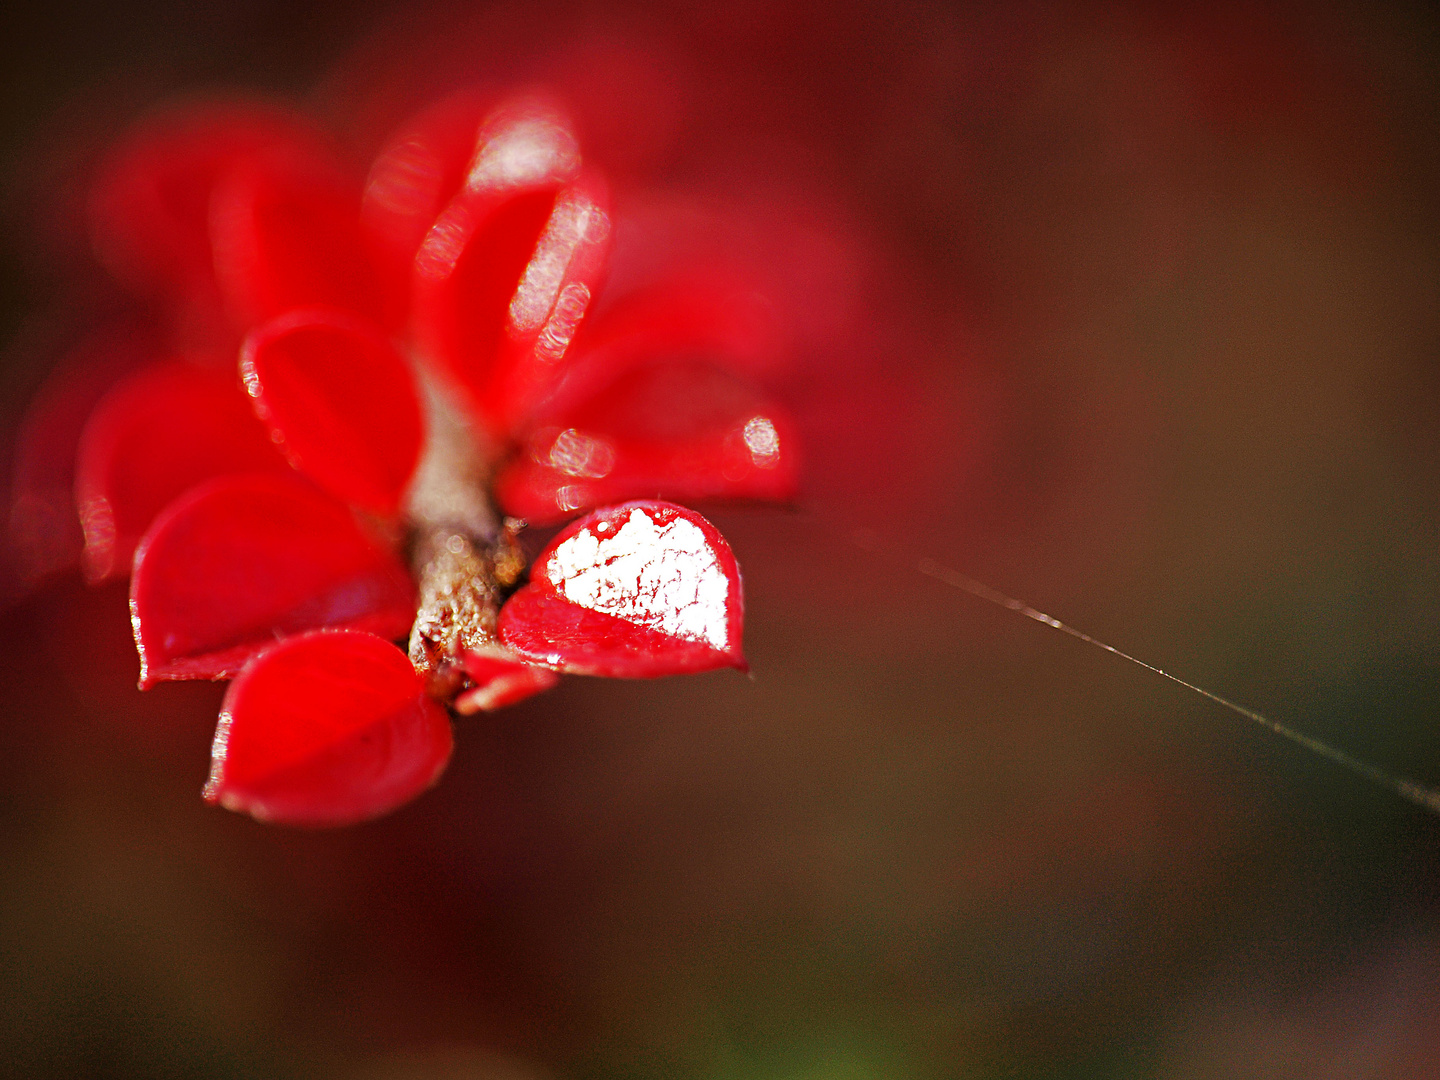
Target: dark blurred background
x: 1132, y: 311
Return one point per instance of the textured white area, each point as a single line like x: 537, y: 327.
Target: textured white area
x: 577, y: 454
x: 539, y: 289
x: 665, y: 578
x: 763, y: 442
x: 526, y: 152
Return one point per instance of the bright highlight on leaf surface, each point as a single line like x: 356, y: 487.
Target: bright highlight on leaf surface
x: 244, y: 560
x: 634, y: 591
x: 340, y: 402
x: 327, y: 728
x: 154, y: 436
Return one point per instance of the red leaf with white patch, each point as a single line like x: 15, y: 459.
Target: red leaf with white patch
x: 635, y: 591
x: 327, y: 728
x: 244, y: 560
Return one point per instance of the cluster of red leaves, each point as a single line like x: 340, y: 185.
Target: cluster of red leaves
x: 263, y: 504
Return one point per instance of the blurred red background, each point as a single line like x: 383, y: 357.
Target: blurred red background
x: 1129, y: 310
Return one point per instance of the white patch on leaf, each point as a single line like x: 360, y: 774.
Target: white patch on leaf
x: 665, y: 578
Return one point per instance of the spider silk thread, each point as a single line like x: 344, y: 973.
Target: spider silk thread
x: 1412, y: 792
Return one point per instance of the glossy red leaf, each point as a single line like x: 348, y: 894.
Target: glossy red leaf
x: 327, y: 728
x: 416, y: 175
x: 243, y: 560
x: 634, y: 591
x: 285, y: 227
x: 677, y: 430
x: 506, y: 275
x: 152, y: 437
x: 498, y: 680
x: 149, y: 207
x: 340, y: 402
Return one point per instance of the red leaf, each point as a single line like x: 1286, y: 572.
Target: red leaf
x: 635, y: 591
x: 286, y: 232
x: 43, y: 530
x: 327, y: 728
x: 154, y: 436
x: 243, y: 560
x: 150, y: 205
x: 781, y: 251
x: 340, y: 402
x: 498, y: 681
x: 679, y: 430
x: 507, y: 273
x: 700, y: 312
x: 415, y: 177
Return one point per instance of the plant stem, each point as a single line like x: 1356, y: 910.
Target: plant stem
x: 462, y: 554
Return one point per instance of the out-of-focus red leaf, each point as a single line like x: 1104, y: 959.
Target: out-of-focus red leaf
x: 674, y: 429
x: 153, y: 436
x: 790, y: 265
x: 507, y: 273
x: 44, y: 532
x: 285, y: 226
x: 704, y: 312
x: 149, y: 208
x: 416, y: 175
